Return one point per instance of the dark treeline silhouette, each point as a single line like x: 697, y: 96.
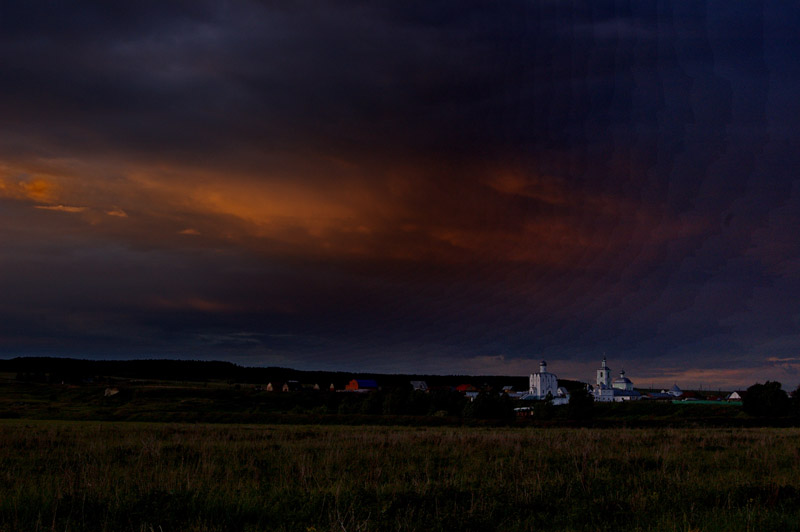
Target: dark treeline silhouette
x: 770, y: 400
x: 76, y: 371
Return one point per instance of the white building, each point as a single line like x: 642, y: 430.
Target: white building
x: 562, y: 396
x: 542, y: 383
x: 622, y: 383
x: 606, y: 391
x: 735, y: 396
x: 602, y: 391
x: 419, y: 386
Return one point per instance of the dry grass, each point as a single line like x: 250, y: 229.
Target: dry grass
x: 118, y: 476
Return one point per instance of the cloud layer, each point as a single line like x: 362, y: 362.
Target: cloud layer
x: 404, y: 187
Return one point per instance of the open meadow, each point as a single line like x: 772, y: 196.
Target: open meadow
x: 60, y: 475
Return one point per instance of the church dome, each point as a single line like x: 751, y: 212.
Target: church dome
x: 622, y: 382
x: 622, y: 379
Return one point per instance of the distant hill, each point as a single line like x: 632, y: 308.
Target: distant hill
x: 52, y: 369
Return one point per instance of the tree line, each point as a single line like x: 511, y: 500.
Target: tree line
x: 771, y: 400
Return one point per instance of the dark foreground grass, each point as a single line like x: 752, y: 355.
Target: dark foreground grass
x: 141, y: 477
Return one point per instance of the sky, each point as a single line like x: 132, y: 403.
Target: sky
x: 431, y: 187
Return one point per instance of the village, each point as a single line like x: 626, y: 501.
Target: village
x: 543, y: 386
x: 196, y: 391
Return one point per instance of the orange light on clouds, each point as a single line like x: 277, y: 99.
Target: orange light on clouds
x: 352, y: 215
x: 545, y: 189
x: 60, y: 208
x: 39, y: 190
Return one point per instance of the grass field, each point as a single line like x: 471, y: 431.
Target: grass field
x: 141, y: 477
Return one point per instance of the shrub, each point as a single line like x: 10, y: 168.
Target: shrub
x: 581, y: 404
x: 766, y: 400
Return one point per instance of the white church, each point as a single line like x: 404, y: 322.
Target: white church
x: 620, y: 389
x: 544, y: 383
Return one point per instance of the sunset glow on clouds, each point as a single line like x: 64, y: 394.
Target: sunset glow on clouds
x: 411, y: 187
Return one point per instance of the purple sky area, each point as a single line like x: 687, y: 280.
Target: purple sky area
x: 444, y: 187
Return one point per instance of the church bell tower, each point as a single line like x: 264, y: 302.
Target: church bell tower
x: 603, y: 374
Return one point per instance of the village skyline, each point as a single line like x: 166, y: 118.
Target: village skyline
x: 585, y: 373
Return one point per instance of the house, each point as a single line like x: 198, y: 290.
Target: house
x: 465, y: 388
x: 419, y: 386
x: 735, y: 396
x: 361, y: 385
x: 562, y: 396
x: 693, y: 396
x: 661, y: 396
x: 511, y: 392
x: 672, y: 392
x: 274, y: 386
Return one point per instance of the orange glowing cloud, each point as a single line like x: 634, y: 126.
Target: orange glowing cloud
x: 63, y: 185
x: 61, y: 208
x: 546, y: 189
x: 308, y: 217
x: 119, y: 213
x: 37, y: 189
x: 263, y: 203
x: 406, y: 213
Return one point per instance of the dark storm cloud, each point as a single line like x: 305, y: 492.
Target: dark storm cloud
x: 338, y: 78
x: 401, y: 184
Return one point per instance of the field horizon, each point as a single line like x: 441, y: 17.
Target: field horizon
x: 158, y: 455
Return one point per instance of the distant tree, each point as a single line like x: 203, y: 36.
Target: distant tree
x: 544, y: 409
x: 397, y: 400
x: 419, y: 403
x: 795, y: 402
x: 372, y: 403
x: 766, y: 400
x: 351, y: 403
x: 505, y: 407
x: 489, y: 405
x: 447, y: 401
x: 581, y: 404
x: 571, y: 385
